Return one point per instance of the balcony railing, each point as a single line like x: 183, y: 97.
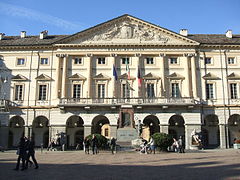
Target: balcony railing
x: 132, y: 101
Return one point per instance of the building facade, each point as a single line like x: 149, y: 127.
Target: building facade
x: 123, y: 78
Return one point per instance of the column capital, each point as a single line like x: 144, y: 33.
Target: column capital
x: 138, y: 55
x: 162, y: 55
x: 61, y: 55
x: 189, y: 54
x: 113, y: 55
x: 89, y: 55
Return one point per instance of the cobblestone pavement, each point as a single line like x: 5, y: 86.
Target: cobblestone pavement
x: 205, y: 164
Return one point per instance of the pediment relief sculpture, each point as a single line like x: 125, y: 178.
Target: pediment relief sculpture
x: 19, y: 77
x: 101, y: 77
x: 210, y: 76
x: 77, y: 77
x: 44, y: 77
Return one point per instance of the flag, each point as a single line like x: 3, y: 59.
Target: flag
x: 115, y: 73
x: 129, y: 86
x: 128, y: 70
x: 139, y: 77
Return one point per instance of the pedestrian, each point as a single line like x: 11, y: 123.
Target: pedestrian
x: 94, y: 144
x: 152, y: 145
x: 21, y: 152
x: 41, y: 147
x: 31, y: 153
x: 181, y: 145
x: 86, y: 145
x: 113, y: 145
x: 175, y: 145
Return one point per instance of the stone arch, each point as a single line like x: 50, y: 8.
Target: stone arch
x: 16, y: 130
x: 150, y: 126
x: 233, y: 128
x: 99, y: 123
x: 74, y: 131
x: 210, y: 128
x: 176, y: 126
x: 40, y: 127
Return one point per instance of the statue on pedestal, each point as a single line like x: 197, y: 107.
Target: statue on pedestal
x: 196, y: 140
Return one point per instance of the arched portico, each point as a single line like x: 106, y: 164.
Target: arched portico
x: 74, y: 131
x: 210, y: 131
x: 40, y: 131
x: 176, y: 126
x: 150, y: 126
x: 16, y: 130
x: 101, y: 125
x: 233, y: 128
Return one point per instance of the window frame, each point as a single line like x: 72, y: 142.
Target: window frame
x: 44, y: 64
x: 74, y: 60
x: 171, y: 62
x: 126, y: 59
x: 179, y: 89
x: 234, y: 61
x: 15, y: 92
x: 17, y: 60
x: 150, y: 91
x: 73, y: 91
x: 149, y: 61
x: 101, y: 60
x: 205, y: 60
x: 213, y: 91
x: 236, y: 90
x: 42, y: 84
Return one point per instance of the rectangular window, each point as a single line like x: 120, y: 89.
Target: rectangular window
x: 125, y: 60
x: 173, y: 61
x: 149, y: 60
x: 20, y: 61
x: 233, y: 90
x: 42, y: 96
x: 18, y: 92
x: 101, y: 90
x: 77, y: 60
x: 209, y: 91
x: 44, y: 61
x: 208, y: 60
x: 101, y: 60
x: 76, y: 90
x: 150, y: 91
x: 126, y: 90
x: 231, y: 60
x: 175, y: 90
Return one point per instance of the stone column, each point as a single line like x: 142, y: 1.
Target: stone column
x: 223, y: 142
x: 27, y: 131
x: 188, y: 130
x: 112, y: 85
x: 58, y: 76
x: 88, y: 61
x: 138, y: 65
x: 164, y: 128
x: 113, y: 131
x: 64, y: 76
x: 194, y: 76
x: 186, y: 62
x: 87, y: 130
x: 161, y: 59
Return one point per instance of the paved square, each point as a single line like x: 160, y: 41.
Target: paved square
x: 206, y: 164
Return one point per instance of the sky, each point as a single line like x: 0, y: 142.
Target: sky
x: 72, y: 16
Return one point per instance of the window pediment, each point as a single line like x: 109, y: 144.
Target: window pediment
x: 125, y: 76
x: 43, y: 77
x: 233, y: 76
x: 150, y: 76
x: 210, y: 76
x: 19, y: 77
x: 101, y: 77
x: 174, y: 76
x: 77, y: 77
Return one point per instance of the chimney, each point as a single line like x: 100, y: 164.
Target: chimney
x: 23, y: 34
x: 43, y: 34
x: 1, y: 36
x: 229, y: 34
x: 184, y: 32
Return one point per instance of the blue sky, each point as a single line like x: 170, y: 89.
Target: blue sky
x: 68, y: 17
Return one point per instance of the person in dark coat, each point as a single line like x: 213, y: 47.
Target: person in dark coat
x: 22, y: 155
x: 113, y: 144
x: 94, y: 144
x: 31, y: 153
x: 181, y: 145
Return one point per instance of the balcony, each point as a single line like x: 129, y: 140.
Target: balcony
x: 122, y: 101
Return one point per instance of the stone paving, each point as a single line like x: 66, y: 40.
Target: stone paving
x: 204, y: 164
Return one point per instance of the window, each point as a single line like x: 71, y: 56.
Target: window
x: 44, y: 61
x: 18, y: 92
x: 126, y: 90
x: 106, y: 132
x: 149, y: 60
x: 101, y: 90
x: 77, y: 60
x: 101, y: 60
x: 42, y: 92
x: 233, y: 90
x: 76, y: 90
x: 208, y: 60
x: 150, y: 91
x: 175, y: 90
x: 209, y: 91
x: 20, y: 61
x: 173, y: 60
x: 125, y: 60
x: 231, y: 60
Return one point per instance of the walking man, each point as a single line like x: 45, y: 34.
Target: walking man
x: 31, y: 153
x: 113, y: 144
x: 21, y: 154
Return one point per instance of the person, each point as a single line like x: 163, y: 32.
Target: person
x: 94, y: 144
x: 113, y: 145
x: 31, y: 153
x: 86, y: 145
x: 175, y: 145
x: 181, y: 145
x: 152, y: 145
x: 21, y: 154
x: 144, y: 146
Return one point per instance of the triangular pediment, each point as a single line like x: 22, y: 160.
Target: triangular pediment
x: 127, y: 30
x: 210, y: 76
x: 125, y: 76
x: 19, y: 77
x: 175, y: 76
x: 43, y: 77
x: 150, y: 76
x: 101, y: 77
x: 77, y: 77
x: 233, y: 76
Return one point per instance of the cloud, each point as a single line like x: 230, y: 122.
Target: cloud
x: 17, y: 11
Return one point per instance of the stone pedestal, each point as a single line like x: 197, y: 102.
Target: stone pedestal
x: 113, y: 131
x: 188, y: 130
x: 126, y: 134
x: 87, y: 131
x: 164, y: 128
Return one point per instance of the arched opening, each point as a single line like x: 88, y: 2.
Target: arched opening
x: 211, y: 130
x: 16, y: 130
x: 40, y: 131
x: 233, y: 128
x: 176, y: 126
x: 101, y: 125
x: 74, y: 131
x: 150, y: 126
